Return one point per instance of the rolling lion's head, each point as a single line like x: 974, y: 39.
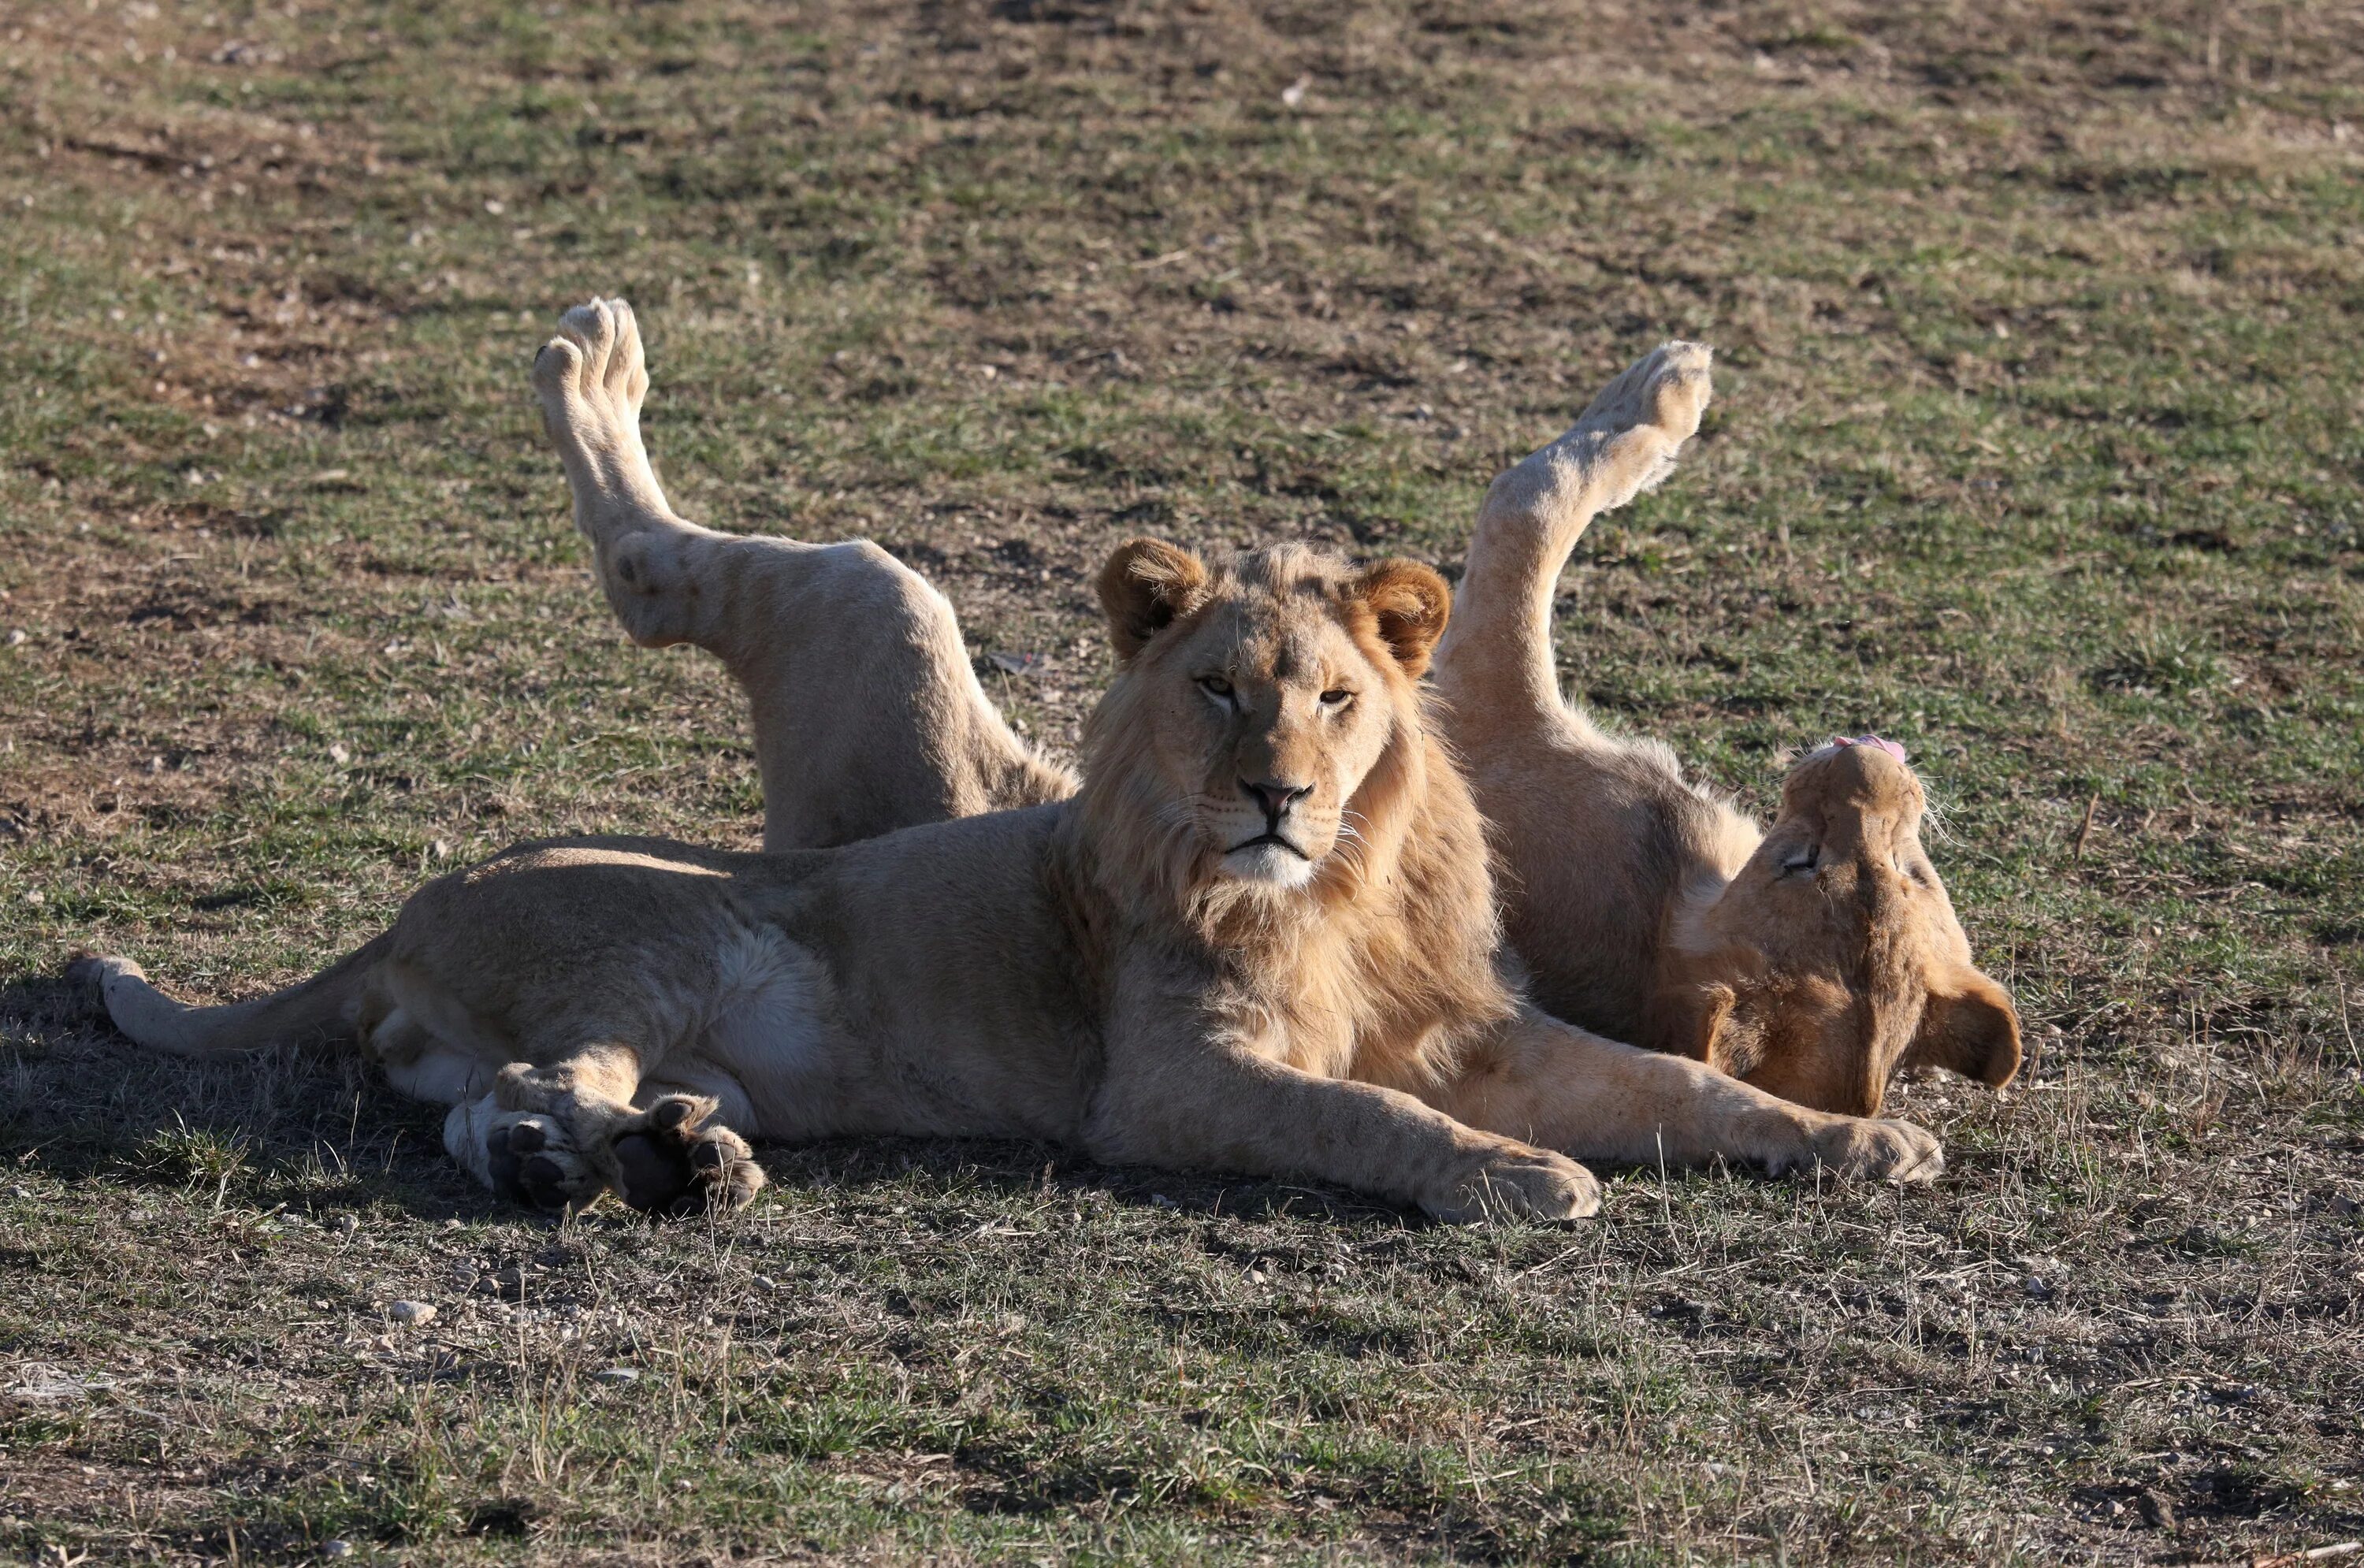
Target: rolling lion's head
x: 1833, y: 958
x: 1262, y: 739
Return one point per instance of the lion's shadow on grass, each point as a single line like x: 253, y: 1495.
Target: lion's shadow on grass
x: 308, y: 1130
x: 1005, y: 1170
x: 319, y: 1129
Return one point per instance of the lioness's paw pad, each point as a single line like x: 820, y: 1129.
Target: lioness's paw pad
x: 677, y: 1163
x: 1666, y: 391
x: 532, y: 1160
x: 594, y: 369
x: 1522, y: 1185
x: 1880, y: 1149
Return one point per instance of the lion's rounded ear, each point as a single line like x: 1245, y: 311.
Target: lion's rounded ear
x: 1143, y: 586
x: 1412, y: 602
x: 1972, y: 1030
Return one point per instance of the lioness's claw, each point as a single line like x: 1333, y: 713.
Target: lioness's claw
x: 677, y: 1164
x: 1522, y: 1185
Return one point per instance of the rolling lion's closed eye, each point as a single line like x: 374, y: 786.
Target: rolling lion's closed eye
x: 1805, y: 860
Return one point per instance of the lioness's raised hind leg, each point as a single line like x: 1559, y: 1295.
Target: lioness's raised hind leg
x: 591, y: 379
x: 1494, y: 664
x: 867, y: 715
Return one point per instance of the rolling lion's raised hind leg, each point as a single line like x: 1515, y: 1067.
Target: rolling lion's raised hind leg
x: 1494, y: 664
x: 867, y: 715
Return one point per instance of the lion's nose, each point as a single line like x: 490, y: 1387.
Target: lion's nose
x: 1274, y: 798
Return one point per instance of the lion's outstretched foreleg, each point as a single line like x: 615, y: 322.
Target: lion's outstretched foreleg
x: 1180, y: 1090
x: 867, y: 715
x: 1569, y: 1089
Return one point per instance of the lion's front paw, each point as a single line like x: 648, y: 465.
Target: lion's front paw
x: 675, y: 1162
x: 1515, y: 1183
x: 1880, y: 1148
x: 531, y: 1160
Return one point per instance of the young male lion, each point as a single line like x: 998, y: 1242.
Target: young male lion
x: 1812, y: 959
x: 1261, y: 937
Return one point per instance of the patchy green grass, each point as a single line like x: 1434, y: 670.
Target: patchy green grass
x: 2035, y: 446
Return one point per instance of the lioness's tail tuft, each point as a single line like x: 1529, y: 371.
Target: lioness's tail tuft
x: 308, y: 1013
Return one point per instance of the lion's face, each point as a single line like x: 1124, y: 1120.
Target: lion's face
x: 1835, y: 956
x: 1267, y: 700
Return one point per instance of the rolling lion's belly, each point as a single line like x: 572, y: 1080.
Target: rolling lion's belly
x: 767, y: 1027
x: 825, y: 1040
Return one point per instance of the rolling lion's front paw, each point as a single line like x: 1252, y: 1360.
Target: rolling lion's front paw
x: 1514, y: 1183
x: 1877, y: 1149
x: 532, y: 1160
x: 675, y: 1162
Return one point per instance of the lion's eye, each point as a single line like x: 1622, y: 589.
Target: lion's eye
x: 1337, y: 697
x: 1805, y: 860
x: 1216, y: 686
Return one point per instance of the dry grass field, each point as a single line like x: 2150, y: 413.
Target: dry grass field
x: 2035, y: 446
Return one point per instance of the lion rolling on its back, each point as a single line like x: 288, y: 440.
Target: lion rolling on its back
x: 1813, y: 958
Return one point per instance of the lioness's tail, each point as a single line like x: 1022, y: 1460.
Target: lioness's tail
x: 310, y: 1012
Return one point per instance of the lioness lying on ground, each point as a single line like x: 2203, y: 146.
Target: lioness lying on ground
x: 1812, y: 960
x: 1261, y: 937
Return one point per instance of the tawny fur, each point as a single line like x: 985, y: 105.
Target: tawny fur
x: 1644, y: 905
x: 1647, y: 907
x: 1262, y: 939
